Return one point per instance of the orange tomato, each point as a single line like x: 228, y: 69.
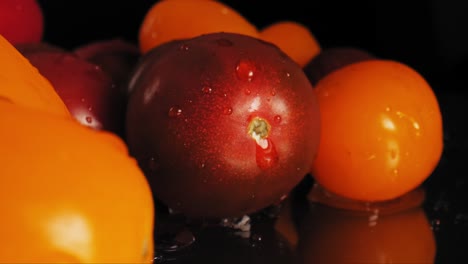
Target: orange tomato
x: 294, y: 38
x: 69, y: 193
x: 22, y: 84
x: 381, y: 130
x: 173, y: 20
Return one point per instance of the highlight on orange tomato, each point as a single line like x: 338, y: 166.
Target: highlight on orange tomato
x: 381, y: 130
x: 294, y: 39
x: 22, y: 84
x: 174, y: 20
x: 69, y: 193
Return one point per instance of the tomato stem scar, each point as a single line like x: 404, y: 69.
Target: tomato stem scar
x: 259, y: 129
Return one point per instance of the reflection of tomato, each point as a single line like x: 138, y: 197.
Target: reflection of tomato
x: 330, y: 235
x: 381, y: 131
x: 69, y: 193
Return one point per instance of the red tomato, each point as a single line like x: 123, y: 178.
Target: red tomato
x: 222, y: 124
x: 21, y: 21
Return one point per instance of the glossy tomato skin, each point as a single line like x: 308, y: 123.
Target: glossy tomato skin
x: 90, y: 94
x: 22, y: 21
x: 381, y: 130
x: 116, y: 57
x: 69, y: 194
x: 188, y: 125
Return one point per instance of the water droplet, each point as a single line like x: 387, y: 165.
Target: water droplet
x: 207, y: 89
x: 273, y: 92
x: 175, y: 111
x: 435, y: 224
x: 245, y: 70
x: 224, y: 42
x: 256, y: 238
x: 247, y: 91
x: 90, y: 108
x: 184, y: 47
x: 173, y: 242
x: 388, y: 109
x: 152, y: 164
x: 288, y: 74
x: 82, y: 100
x: 89, y: 119
x: 283, y: 197
x: 227, y: 111
x: 266, y: 155
x: 277, y: 119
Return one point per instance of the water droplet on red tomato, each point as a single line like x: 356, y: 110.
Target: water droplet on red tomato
x: 184, y: 47
x: 227, y: 110
x: 245, y: 70
x: 247, y: 91
x: 273, y: 92
x: 266, y: 155
x: 207, y: 89
x: 89, y: 119
x: 224, y: 42
x: 152, y: 164
x: 175, y: 111
x: 277, y: 119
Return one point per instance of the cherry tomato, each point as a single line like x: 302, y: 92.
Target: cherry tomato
x: 21, y: 83
x: 381, y: 132
x: 21, y: 21
x: 294, y: 38
x: 223, y: 124
x: 69, y: 194
x: 173, y: 20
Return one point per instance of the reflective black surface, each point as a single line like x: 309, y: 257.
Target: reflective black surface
x: 428, y: 35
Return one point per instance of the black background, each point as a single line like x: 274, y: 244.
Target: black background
x: 430, y: 36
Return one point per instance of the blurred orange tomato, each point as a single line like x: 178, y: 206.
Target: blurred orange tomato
x: 381, y: 130
x: 69, y: 193
x: 173, y: 20
x: 294, y: 39
x: 22, y: 84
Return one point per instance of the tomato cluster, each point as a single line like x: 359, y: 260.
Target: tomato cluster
x: 220, y: 118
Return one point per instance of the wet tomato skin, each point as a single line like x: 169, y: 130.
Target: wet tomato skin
x: 382, y: 130
x: 226, y: 125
